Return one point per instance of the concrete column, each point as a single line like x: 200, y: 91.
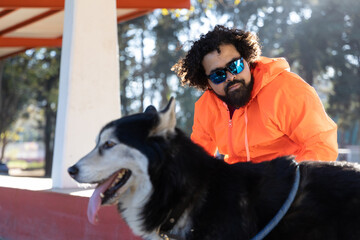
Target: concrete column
x: 89, y: 91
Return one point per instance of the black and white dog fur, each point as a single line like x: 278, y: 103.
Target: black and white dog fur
x: 164, y: 183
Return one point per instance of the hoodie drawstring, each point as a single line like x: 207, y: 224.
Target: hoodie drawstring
x: 246, y: 137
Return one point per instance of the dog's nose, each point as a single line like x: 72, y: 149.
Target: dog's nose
x: 73, y: 171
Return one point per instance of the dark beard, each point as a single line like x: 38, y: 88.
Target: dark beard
x: 238, y: 97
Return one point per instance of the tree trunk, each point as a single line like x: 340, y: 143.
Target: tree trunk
x: 123, y: 99
x: 49, y: 140
x: 3, y: 146
x: 308, y: 73
x: 1, y: 141
x: 142, y: 95
x: 50, y: 119
x: 1, y: 95
x: 2, y: 63
x: 164, y: 92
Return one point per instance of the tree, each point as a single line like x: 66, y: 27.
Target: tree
x: 326, y: 48
x: 133, y: 71
x: 344, y: 57
x: 31, y: 77
x: 14, y: 93
x: 44, y: 69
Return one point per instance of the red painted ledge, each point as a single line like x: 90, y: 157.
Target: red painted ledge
x: 44, y: 215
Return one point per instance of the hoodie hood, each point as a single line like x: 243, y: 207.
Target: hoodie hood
x: 267, y: 69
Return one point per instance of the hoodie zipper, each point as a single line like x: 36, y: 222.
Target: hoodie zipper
x: 230, y: 124
x: 230, y: 138
x: 232, y: 153
x: 246, y: 136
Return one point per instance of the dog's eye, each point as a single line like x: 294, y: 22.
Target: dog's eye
x: 108, y: 144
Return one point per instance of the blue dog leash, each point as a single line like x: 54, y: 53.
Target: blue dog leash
x: 283, y: 210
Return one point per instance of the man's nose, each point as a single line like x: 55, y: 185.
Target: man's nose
x: 229, y: 76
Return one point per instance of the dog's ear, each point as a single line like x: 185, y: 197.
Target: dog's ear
x: 151, y: 109
x: 167, y: 121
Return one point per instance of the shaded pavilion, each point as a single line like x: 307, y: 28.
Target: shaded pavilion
x: 89, y: 96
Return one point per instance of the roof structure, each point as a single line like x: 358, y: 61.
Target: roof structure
x: 26, y: 24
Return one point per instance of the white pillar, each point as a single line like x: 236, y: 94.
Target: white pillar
x: 89, y: 91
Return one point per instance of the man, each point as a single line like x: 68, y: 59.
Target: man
x: 253, y: 108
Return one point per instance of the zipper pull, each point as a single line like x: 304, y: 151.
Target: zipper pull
x: 230, y: 123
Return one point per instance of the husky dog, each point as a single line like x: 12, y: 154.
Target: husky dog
x: 167, y: 187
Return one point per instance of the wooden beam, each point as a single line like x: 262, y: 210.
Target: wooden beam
x: 30, y: 42
x: 54, y: 4
x: 28, y: 21
x: 13, y: 53
x: 5, y: 12
x: 132, y: 15
x: 59, y: 4
x: 152, y: 4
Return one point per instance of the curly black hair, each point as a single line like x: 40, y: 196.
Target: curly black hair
x: 190, y: 69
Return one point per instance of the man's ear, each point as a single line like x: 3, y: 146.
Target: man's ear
x: 167, y: 121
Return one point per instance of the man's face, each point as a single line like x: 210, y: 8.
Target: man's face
x: 236, y: 89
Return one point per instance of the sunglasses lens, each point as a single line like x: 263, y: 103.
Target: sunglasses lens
x: 218, y: 76
x: 237, y: 66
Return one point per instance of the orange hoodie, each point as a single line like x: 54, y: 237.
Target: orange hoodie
x: 284, y: 117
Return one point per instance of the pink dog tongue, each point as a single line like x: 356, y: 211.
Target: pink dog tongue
x: 95, y: 199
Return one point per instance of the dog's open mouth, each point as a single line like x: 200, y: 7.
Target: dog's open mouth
x: 106, y: 192
x: 121, y: 178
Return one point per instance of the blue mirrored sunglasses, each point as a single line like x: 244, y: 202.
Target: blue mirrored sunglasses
x: 235, y: 67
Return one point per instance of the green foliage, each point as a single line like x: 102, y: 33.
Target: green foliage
x: 128, y: 65
x: 320, y: 39
x: 22, y: 164
x: 327, y: 48
x: 146, y: 77
x: 31, y: 79
x: 14, y: 89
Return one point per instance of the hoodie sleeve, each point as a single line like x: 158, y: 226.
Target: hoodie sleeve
x: 302, y: 117
x: 200, y: 134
